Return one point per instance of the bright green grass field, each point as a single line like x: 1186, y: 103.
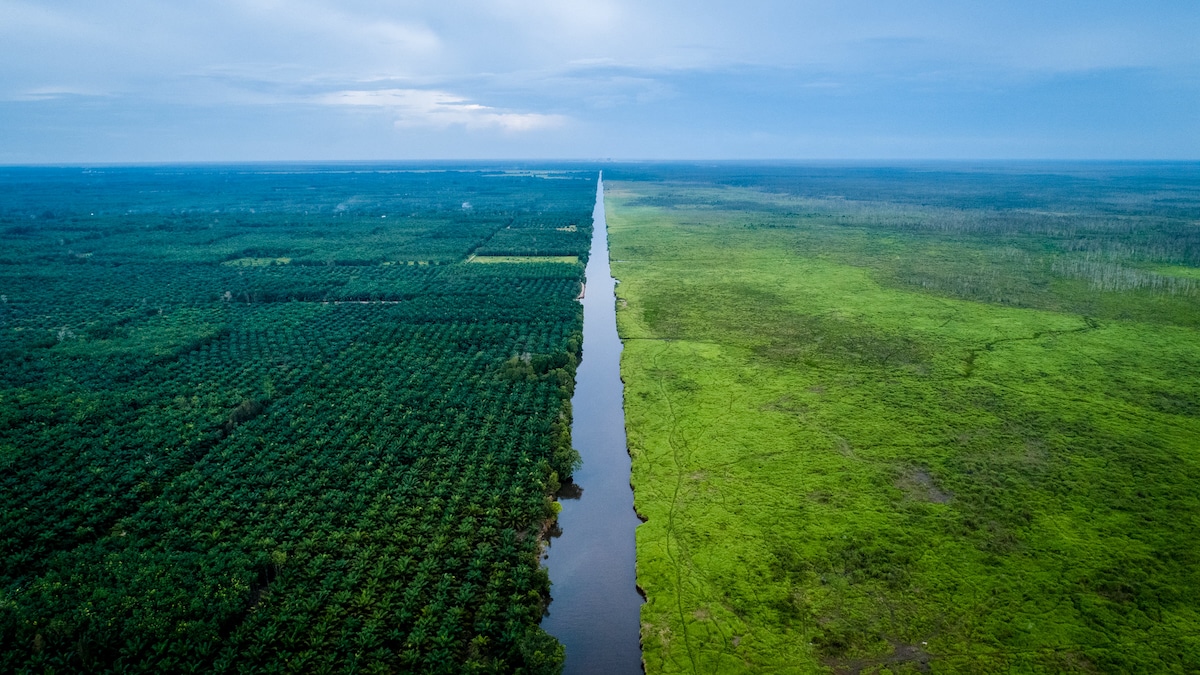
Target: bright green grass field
x: 842, y: 473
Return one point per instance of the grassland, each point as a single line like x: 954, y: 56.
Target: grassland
x: 878, y: 436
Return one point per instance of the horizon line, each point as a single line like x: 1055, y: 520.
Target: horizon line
x: 606, y: 160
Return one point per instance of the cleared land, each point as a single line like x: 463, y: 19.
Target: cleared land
x: 569, y: 259
x: 912, y: 430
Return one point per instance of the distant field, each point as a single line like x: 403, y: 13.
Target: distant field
x: 257, y: 262
x: 524, y: 259
x: 890, y: 423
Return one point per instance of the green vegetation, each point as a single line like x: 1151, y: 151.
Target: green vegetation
x: 258, y: 420
x: 889, y: 422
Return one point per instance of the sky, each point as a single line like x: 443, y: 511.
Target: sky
x: 260, y: 80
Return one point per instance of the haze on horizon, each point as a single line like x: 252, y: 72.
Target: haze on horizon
x: 234, y: 80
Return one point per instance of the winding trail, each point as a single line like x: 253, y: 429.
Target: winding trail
x: 596, y: 608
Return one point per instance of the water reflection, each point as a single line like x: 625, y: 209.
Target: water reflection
x: 570, y: 490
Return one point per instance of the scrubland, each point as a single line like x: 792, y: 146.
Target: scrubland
x: 905, y: 430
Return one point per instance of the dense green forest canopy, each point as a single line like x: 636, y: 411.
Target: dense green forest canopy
x: 267, y: 419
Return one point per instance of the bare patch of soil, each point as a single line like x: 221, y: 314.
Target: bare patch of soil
x: 902, y: 653
x: 919, y: 485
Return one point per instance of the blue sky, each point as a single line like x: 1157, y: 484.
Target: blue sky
x: 226, y: 80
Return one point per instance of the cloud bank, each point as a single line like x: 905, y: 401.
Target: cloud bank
x: 128, y: 80
x: 440, y: 110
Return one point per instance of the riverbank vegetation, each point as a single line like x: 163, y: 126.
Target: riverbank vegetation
x: 916, y: 420
x: 268, y: 420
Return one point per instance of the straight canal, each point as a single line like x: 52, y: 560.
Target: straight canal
x: 595, y: 608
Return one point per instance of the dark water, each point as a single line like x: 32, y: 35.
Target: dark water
x: 591, y: 564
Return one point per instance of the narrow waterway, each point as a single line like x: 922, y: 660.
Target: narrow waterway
x: 595, y: 607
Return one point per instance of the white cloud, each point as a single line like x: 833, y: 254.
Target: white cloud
x: 375, y: 36
x: 150, y: 49
x: 440, y: 110
x: 55, y: 92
